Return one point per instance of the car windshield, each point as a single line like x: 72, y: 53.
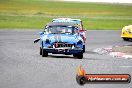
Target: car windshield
x: 76, y: 22
x: 61, y: 29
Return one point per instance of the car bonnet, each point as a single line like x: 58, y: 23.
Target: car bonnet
x: 62, y: 38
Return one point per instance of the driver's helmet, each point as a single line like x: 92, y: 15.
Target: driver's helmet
x: 76, y: 30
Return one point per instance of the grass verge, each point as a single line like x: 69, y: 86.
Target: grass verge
x: 36, y: 13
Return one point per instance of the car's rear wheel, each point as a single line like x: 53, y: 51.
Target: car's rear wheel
x: 44, y: 53
x: 126, y: 39
x: 40, y: 52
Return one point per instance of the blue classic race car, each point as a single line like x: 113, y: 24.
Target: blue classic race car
x: 77, y: 22
x: 61, y: 38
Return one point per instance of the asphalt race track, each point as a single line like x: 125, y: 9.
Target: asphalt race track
x: 21, y: 66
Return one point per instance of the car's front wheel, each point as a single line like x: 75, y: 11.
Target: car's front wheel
x: 44, y: 53
x: 74, y: 55
x: 80, y: 56
x: 126, y: 39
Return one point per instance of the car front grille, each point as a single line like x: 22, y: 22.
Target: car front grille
x: 59, y: 45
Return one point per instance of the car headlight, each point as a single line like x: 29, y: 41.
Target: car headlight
x: 79, y: 42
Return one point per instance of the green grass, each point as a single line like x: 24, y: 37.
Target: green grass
x: 23, y: 22
x: 36, y: 13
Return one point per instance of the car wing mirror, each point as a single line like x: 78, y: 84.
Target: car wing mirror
x: 36, y: 40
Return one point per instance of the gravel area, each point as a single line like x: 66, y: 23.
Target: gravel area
x: 125, y: 49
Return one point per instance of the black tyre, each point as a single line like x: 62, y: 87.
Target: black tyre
x: 80, y: 55
x: 44, y: 53
x: 83, y: 48
x: 126, y: 39
x: 74, y: 55
x: 40, y: 52
x: 81, y: 80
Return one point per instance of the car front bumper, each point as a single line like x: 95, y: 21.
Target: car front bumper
x: 63, y: 51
